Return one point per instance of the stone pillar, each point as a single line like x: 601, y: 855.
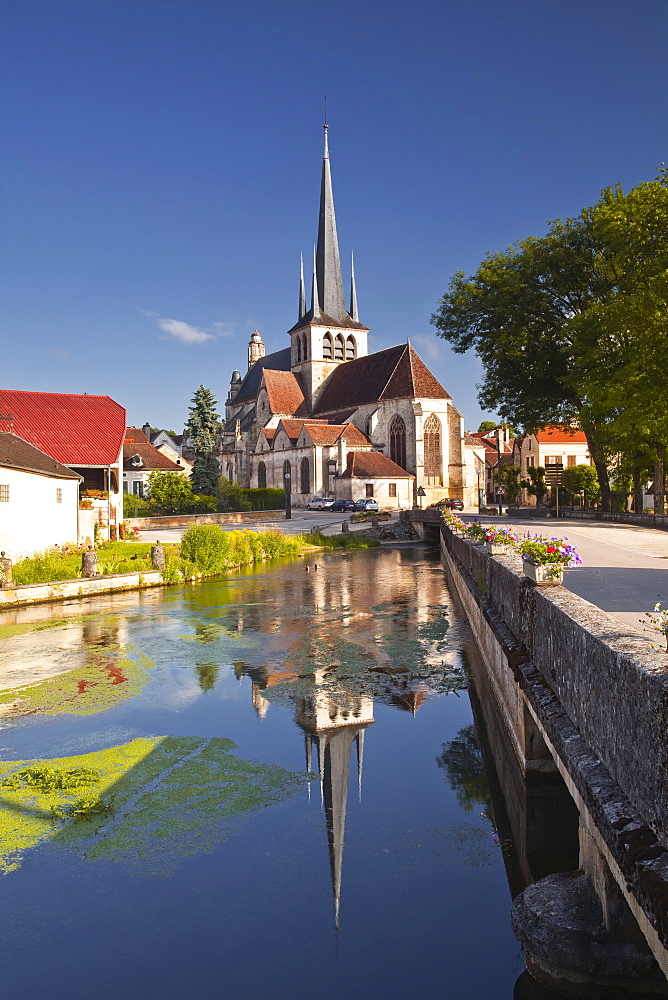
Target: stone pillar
x: 89, y: 564
x: 158, y: 556
x: 5, y: 572
x: 345, y: 528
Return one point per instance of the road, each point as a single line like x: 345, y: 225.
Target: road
x: 624, y: 568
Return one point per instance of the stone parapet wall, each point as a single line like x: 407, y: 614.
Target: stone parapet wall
x: 613, y: 686
x: 186, y: 520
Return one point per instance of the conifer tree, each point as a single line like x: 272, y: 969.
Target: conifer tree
x: 204, y: 424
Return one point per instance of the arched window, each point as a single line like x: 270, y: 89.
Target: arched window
x: 327, y: 347
x: 432, y: 451
x: 398, y: 440
x: 262, y: 476
x: 230, y: 472
x: 287, y: 472
x: 299, y: 348
x: 305, y: 476
x: 338, y: 348
x: 305, y: 343
x: 350, y: 348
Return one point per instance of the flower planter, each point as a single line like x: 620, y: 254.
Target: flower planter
x: 545, y: 575
x: 497, y: 548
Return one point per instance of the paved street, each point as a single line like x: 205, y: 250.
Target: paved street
x: 625, y: 568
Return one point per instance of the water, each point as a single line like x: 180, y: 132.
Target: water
x: 217, y: 854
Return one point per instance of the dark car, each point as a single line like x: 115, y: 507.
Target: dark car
x: 366, y: 503
x: 342, y: 506
x: 450, y: 503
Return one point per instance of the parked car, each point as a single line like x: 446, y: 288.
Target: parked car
x: 450, y: 503
x: 366, y: 503
x: 320, y: 503
x: 343, y: 506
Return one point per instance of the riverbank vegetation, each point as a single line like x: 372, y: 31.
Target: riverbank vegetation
x: 205, y: 550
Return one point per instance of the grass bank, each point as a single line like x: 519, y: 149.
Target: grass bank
x: 205, y: 550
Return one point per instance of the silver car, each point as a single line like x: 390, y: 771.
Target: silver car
x: 320, y: 503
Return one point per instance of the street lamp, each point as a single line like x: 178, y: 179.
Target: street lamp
x: 478, y: 473
x: 288, y: 498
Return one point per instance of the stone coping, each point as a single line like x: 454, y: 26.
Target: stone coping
x: 58, y: 590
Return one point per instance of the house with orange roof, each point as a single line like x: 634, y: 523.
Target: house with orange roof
x: 140, y: 459
x: 555, y: 447
x: 277, y: 414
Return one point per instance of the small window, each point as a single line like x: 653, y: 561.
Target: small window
x: 369, y: 489
x: 553, y: 459
x: 327, y: 347
x: 138, y: 488
x: 338, y: 348
x: 572, y: 460
x: 4, y: 493
x: 392, y: 489
x: 59, y: 495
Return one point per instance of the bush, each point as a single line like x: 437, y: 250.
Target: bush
x: 265, y: 499
x: 212, y: 551
x: 231, y: 496
x: 342, y: 541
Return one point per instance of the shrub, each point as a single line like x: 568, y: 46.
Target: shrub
x: 207, y: 547
x: 342, y: 541
x: 134, y: 506
x: 265, y: 499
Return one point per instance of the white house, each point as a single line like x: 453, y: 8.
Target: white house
x: 39, y: 499
x: 140, y: 459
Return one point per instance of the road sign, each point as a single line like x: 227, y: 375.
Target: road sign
x: 500, y: 490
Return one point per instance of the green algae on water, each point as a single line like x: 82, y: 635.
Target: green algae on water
x: 154, y: 800
x: 109, y: 677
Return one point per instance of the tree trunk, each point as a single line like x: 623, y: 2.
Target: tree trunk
x: 599, y: 463
x: 637, y: 490
x: 659, y: 478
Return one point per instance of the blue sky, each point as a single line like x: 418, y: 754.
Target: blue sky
x: 161, y: 165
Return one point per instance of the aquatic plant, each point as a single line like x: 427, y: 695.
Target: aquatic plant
x: 49, y: 779
x: 351, y: 540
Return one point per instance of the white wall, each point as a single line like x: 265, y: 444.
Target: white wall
x: 33, y: 520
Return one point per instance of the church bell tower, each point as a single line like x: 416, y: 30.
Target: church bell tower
x: 327, y: 334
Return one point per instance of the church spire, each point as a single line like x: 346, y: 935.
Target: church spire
x: 302, y: 292
x: 315, y: 297
x: 353, y: 291
x: 328, y: 264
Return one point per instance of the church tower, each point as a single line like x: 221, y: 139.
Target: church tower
x: 327, y: 334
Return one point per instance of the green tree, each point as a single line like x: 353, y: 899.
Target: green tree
x: 231, y: 496
x: 487, y: 426
x: 581, y: 479
x: 204, y: 425
x: 535, y: 484
x: 169, y: 491
x: 510, y: 479
x: 569, y: 326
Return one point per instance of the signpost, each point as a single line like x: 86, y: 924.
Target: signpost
x: 421, y: 493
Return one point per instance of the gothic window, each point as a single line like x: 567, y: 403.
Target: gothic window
x: 299, y: 348
x: 398, y: 441
x: 287, y: 471
x: 350, y: 349
x: 229, y: 474
x: 432, y: 451
x: 338, y: 348
x: 305, y: 343
x: 305, y: 476
x: 327, y: 347
x: 262, y: 476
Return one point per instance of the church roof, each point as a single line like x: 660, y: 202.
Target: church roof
x: 78, y: 430
x: 373, y: 465
x: 284, y: 392
x: 278, y: 361
x: 329, y: 434
x: 322, y: 319
x: 396, y: 373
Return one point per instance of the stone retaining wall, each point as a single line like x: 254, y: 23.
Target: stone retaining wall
x: 38, y: 593
x: 186, y: 520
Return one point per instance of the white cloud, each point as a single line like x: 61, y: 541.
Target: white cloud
x: 186, y: 332
x: 428, y: 345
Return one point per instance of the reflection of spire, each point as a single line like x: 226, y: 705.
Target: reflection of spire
x: 260, y: 703
x: 359, y: 740
x: 337, y: 767
x: 308, y: 747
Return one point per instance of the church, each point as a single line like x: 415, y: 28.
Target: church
x: 323, y: 416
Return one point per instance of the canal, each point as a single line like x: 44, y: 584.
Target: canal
x: 266, y: 785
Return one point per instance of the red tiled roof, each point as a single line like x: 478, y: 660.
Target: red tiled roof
x: 284, y: 392
x: 560, y: 433
x: 76, y: 430
x: 292, y: 428
x: 328, y: 434
x: 269, y: 432
x: 373, y: 465
x: 397, y: 373
x: 136, y: 443
x: 15, y: 453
